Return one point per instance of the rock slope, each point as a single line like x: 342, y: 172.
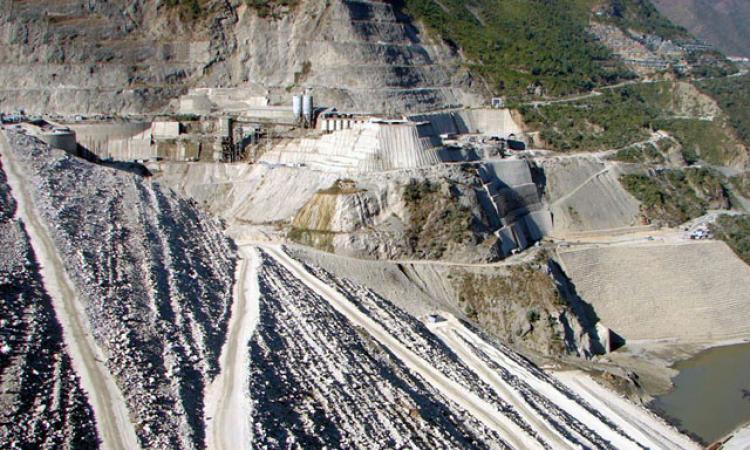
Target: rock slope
x: 76, y: 56
x: 42, y: 404
x: 154, y: 279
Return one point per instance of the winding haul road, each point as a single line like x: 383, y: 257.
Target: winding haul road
x: 112, y: 418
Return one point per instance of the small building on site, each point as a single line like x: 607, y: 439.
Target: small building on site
x: 332, y: 120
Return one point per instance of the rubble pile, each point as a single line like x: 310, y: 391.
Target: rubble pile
x: 419, y: 339
x: 42, y: 404
x: 416, y: 337
x: 155, y: 278
x: 318, y: 381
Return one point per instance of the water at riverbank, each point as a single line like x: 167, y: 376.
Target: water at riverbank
x: 712, y: 392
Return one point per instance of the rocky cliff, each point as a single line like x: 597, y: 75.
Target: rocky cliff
x: 75, y: 56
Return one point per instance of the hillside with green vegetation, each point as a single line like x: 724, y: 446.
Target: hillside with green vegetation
x: 735, y: 231
x: 672, y: 197
x: 733, y: 95
x: 642, y: 16
x: 517, y: 45
x: 526, y: 47
x: 703, y: 140
x: 615, y: 119
x: 627, y: 115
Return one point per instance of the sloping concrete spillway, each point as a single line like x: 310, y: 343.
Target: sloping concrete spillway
x: 369, y: 147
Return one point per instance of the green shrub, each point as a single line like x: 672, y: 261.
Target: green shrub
x: 676, y: 196
x: 735, y: 231
x: 189, y: 9
x: 264, y: 8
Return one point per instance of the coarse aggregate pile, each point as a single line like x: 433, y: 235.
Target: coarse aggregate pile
x: 42, y: 404
x: 318, y: 381
x: 333, y: 364
x: 154, y: 276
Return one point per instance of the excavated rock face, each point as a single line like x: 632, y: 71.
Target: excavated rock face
x: 408, y: 217
x: 76, y: 56
x: 355, y: 55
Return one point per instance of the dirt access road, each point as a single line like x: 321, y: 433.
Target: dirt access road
x: 227, y: 399
x: 112, y: 418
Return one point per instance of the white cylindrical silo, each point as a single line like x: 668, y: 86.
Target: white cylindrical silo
x: 297, y: 106
x: 307, y: 107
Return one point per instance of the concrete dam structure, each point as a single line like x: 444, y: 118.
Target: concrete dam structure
x: 498, y: 122
x: 512, y: 204
x: 377, y: 145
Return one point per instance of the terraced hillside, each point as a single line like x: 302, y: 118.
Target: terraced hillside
x: 688, y: 292
x: 76, y: 56
x: 721, y: 23
x: 73, y: 56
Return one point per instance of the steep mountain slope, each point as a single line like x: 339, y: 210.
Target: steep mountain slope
x: 522, y: 47
x: 95, y: 56
x: 722, y: 23
x: 76, y: 56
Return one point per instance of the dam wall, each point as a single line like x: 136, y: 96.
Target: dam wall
x: 370, y: 147
x: 497, y: 122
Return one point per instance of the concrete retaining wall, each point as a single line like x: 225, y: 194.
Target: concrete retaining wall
x: 484, y: 121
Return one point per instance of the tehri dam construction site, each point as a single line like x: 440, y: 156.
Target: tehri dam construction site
x: 363, y: 224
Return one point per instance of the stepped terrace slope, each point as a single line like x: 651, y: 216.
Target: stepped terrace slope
x: 372, y: 146
x: 686, y: 292
x: 83, y: 57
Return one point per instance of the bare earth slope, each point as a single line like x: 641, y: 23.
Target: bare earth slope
x: 153, y: 278
x: 688, y: 292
